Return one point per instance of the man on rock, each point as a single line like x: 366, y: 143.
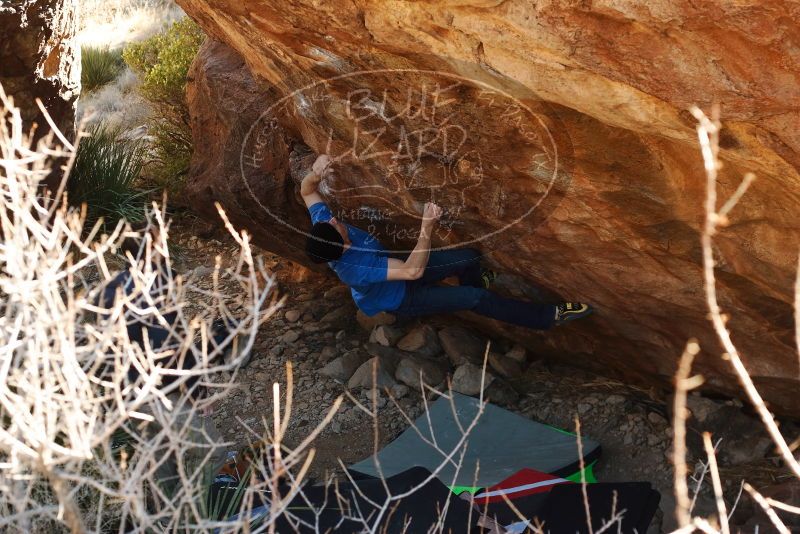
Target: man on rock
x: 409, y: 287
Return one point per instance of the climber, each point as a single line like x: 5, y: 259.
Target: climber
x: 408, y: 287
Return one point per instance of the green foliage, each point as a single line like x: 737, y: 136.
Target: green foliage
x: 103, y: 177
x: 223, y: 501
x: 163, y: 62
x: 99, y: 66
x: 171, y: 141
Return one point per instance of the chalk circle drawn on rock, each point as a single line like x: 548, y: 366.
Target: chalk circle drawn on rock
x: 425, y: 143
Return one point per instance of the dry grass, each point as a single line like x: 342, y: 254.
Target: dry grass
x: 116, y: 105
x: 114, y: 23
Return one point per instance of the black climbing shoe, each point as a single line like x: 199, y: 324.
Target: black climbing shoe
x: 488, y: 277
x: 568, y: 311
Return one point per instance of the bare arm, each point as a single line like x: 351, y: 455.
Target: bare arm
x: 310, y: 184
x: 308, y: 189
x: 414, y: 266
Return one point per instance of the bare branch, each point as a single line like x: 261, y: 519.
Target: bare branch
x: 583, y: 475
x: 776, y: 521
x: 708, y: 134
x: 683, y: 383
x: 797, y: 313
x: 712, y: 462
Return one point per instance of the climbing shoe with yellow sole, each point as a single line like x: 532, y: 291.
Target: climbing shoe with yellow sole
x: 488, y: 277
x: 569, y: 311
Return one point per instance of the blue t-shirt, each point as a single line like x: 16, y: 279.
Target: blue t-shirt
x: 363, y: 267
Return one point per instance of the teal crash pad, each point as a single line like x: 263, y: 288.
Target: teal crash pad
x: 500, y: 444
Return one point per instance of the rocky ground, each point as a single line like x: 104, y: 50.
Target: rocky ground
x: 332, y: 349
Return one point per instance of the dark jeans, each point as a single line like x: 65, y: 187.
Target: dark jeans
x: 424, y: 297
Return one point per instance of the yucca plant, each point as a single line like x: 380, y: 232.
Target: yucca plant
x: 224, y: 500
x: 99, y: 66
x: 106, y: 168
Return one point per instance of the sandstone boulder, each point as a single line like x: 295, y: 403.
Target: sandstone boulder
x: 468, y: 379
x: 387, y: 353
x: 327, y: 354
x: 518, y: 354
x: 338, y: 293
x: 412, y: 370
x: 343, y: 367
x: 501, y: 392
x: 39, y: 58
x: 338, y: 315
x: 374, y: 372
x: 368, y: 323
x: 422, y: 340
x: 750, y: 516
x: 398, y: 391
x: 743, y: 437
x: 504, y: 366
x: 567, y: 157
x: 462, y: 346
x: 385, y: 335
x: 290, y: 336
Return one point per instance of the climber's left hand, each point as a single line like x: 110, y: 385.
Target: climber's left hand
x: 321, y: 165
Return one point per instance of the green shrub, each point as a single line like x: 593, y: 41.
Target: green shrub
x: 99, y: 66
x: 103, y: 177
x: 162, y: 62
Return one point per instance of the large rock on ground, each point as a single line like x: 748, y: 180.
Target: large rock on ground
x: 40, y: 59
x: 556, y: 136
x: 743, y: 438
x: 422, y: 340
x: 501, y: 392
x: 504, y: 366
x: 385, y: 335
x: 462, y: 346
x: 750, y: 516
x: 343, y: 367
x: 375, y: 372
x: 469, y: 378
x: 367, y: 322
x: 414, y: 371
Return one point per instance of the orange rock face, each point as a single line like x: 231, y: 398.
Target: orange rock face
x: 39, y: 59
x: 555, y: 136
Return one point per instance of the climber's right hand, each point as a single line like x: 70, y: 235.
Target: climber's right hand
x: 430, y: 214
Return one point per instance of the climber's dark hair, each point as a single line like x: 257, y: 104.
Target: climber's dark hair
x: 325, y: 243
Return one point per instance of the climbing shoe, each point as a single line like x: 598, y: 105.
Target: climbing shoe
x: 488, y: 277
x: 568, y: 311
